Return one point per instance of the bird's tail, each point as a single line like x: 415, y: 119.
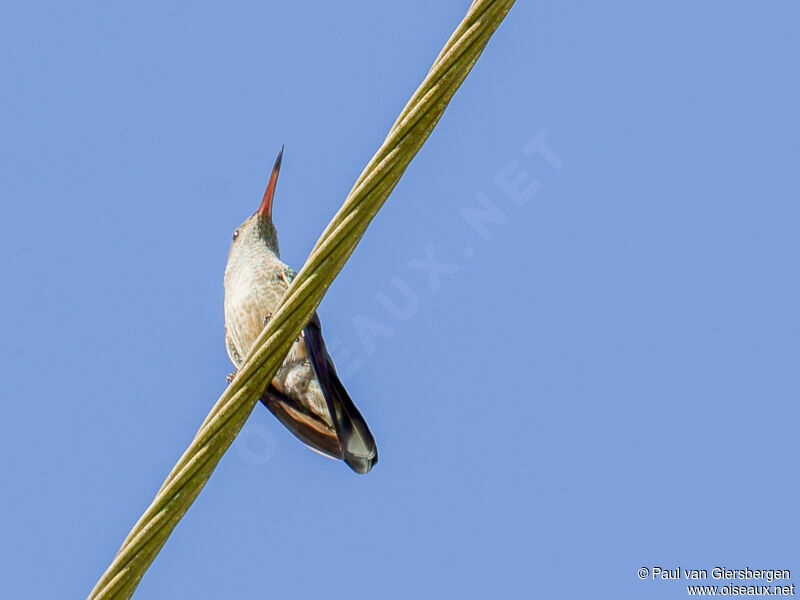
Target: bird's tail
x: 348, y: 439
x: 358, y: 446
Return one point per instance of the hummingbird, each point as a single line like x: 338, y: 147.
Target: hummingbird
x: 306, y: 394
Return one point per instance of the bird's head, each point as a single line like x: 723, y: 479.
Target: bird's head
x: 258, y: 229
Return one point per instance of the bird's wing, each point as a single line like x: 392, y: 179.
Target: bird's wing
x: 356, y: 442
x: 308, y: 427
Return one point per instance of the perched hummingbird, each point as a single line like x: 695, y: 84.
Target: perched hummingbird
x: 306, y: 394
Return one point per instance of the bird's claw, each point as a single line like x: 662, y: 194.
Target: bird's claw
x: 230, y: 376
x: 267, y: 317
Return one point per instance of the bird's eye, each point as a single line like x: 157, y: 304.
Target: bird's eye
x: 235, y: 234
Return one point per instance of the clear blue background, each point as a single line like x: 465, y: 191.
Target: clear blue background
x: 609, y: 382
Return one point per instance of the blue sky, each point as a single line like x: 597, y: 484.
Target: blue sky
x: 603, y: 378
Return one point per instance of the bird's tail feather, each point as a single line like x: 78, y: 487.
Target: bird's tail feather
x: 306, y: 426
x: 358, y: 446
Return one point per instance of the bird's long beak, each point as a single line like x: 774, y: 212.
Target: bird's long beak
x: 265, y: 210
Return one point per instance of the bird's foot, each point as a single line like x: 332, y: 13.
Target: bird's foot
x: 267, y: 317
x: 230, y: 376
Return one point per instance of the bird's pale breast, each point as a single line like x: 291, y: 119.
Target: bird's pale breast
x: 251, y: 295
